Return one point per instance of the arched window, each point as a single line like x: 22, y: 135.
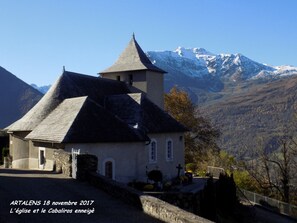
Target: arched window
x: 153, y: 151
x: 169, y: 150
x: 109, y: 168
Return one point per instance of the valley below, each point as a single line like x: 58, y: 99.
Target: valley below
x: 253, y: 115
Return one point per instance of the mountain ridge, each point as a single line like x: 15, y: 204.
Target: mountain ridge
x: 16, y: 97
x: 245, y: 99
x: 223, y: 65
x: 43, y: 89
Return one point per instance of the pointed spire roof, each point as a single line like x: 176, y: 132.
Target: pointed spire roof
x: 132, y: 58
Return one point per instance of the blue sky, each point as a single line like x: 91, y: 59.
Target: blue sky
x: 39, y: 37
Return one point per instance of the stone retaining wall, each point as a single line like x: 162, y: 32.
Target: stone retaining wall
x: 187, y: 201
x: 62, y: 162
x: 150, y: 205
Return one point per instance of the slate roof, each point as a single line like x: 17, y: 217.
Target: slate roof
x: 83, y: 109
x: 137, y: 110
x: 69, y: 85
x: 82, y: 120
x: 132, y: 58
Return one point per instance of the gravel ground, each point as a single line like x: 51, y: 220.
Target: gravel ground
x: 23, y: 191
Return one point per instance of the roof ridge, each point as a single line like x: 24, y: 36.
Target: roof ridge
x: 86, y: 98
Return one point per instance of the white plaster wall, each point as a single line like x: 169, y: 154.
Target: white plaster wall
x: 132, y: 159
x: 19, y: 150
x: 139, y: 78
x: 127, y: 157
x: 150, y: 82
x: 168, y: 168
x: 20, y: 163
x: 155, y: 88
x: 33, y: 163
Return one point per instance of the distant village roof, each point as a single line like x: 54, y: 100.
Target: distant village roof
x: 132, y: 58
x: 80, y: 108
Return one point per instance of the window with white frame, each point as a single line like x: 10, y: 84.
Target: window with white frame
x: 169, y: 150
x: 153, y: 151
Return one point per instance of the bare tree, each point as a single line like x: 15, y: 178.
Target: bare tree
x: 276, y: 171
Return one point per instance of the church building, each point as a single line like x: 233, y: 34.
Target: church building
x: 119, y: 117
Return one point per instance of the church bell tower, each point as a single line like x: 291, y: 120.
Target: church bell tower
x: 135, y: 69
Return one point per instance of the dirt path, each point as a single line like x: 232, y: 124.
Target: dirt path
x: 36, y: 191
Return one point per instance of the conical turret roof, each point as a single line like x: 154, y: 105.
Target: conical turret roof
x: 132, y: 58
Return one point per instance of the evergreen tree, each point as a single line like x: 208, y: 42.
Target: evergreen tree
x: 208, y: 201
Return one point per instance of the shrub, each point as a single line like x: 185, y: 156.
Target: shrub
x: 244, y: 181
x: 138, y: 185
x: 208, y: 200
x: 155, y: 175
x: 167, y: 185
x: 184, y: 179
x: 5, y: 153
x: 201, y: 173
x: 148, y: 187
x: 191, y: 167
x: 226, y: 193
x: 219, y: 198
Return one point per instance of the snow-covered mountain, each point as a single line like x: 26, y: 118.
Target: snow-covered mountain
x: 200, y: 63
x: 243, y: 98
x: 196, y: 69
